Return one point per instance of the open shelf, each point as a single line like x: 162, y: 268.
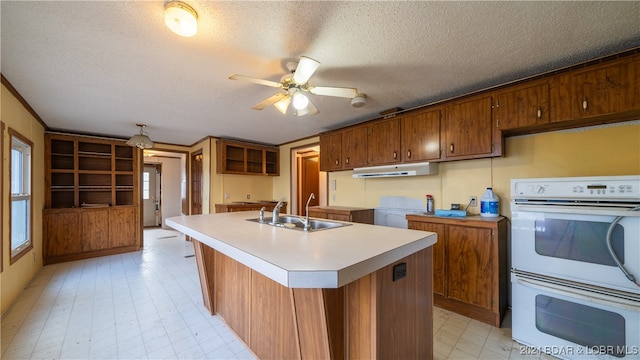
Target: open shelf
x: 236, y: 157
x: 84, y: 170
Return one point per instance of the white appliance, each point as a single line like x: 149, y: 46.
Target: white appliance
x: 575, y: 248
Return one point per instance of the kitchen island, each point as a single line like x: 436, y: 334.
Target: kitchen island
x: 357, y: 291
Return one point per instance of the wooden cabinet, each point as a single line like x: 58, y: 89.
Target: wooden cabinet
x: 354, y: 147
x: 79, y: 233
x: 606, y: 89
x: 522, y: 106
x: 331, y: 151
x: 246, y: 159
x: 249, y: 206
x: 468, y: 128
x: 470, y: 270
x: 420, y: 136
x: 383, y: 142
x: 343, y: 213
x: 91, y: 198
x: 344, y: 149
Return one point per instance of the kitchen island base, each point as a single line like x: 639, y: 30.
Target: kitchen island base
x: 385, y: 314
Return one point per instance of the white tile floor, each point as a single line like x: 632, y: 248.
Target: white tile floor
x: 148, y: 305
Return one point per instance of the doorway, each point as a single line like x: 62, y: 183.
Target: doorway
x: 151, y: 195
x: 306, y: 178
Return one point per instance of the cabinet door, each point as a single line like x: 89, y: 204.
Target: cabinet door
x: 468, y: 128
x: 606, y: 89
x: 383, y: 142
x: 421, y: 136
x: 469, y: 265
x: 438, y: 253
x: 62, y: 233
x: 354, y: 147
x: 123, y: 229
x: 95, y: 229
x: 522, y: 106
x: 331, y: 151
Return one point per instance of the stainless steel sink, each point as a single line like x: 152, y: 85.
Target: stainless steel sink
x: 297, y: 223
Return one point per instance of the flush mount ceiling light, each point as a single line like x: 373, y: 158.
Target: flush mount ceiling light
x: 181, y: 18
x: 359, y: 100
x: 141, y: 140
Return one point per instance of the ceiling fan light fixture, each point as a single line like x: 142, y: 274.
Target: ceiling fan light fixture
x: 283, y: 105
x: 181, y: 18
x: 300, y: 101
x: 141, y: 140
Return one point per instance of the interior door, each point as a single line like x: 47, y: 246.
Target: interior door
x: 309, y: 182
x: 196, y: 183
x: 151, y: 195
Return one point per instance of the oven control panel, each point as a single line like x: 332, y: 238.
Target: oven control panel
x: 610, y: 188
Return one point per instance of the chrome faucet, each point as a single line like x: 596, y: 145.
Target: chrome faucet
x: 276, y: 211
x: 261, y: 218
x: 307, y: 225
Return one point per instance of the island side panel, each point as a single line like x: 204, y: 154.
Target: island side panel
x: 205, y: 257
x: 274, y: 332
x: 233, y: 294
x: 311, y: 318
x: 404, y: 309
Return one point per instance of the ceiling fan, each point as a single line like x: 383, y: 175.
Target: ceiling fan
x: 294, y: 85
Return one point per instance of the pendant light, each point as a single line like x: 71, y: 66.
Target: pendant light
x: 141, y: 140
x: 181, y: 18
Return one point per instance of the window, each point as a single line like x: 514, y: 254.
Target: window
x: 20, y: 210
x: 145, y: 185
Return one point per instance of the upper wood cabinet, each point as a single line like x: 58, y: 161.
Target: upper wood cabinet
x: 354, y: 146
x: 383, y: 142
x: 331, y: 151
x: 468, y: 130
x: 522, y: 106
x: 421, y: 136
x: 606, y: 89
x: 246, y: 159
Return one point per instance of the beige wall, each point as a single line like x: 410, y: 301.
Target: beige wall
x: 15, y: 277
x: 603, y: 150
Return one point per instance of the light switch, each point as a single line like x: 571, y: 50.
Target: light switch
x: 333, y: 184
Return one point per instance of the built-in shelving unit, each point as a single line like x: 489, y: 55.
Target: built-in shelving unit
x: 92, y: 186
x: 235, y: 157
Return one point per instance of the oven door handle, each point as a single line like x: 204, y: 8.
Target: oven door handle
x: 584, y: 294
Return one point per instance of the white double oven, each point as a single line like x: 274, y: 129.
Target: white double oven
x: 575, y: 256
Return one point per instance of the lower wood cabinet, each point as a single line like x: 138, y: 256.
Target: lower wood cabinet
x: 470, y: 271
x: 249, y: 206
x: 79, y: 233
x: 343, y: 213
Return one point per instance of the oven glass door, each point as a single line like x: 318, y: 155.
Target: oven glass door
x: 573, y: 246
x: 574, y: 324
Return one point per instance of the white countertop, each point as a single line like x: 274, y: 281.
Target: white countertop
x: 327, y: 258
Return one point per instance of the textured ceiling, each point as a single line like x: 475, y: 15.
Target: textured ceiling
x: 102, y: 66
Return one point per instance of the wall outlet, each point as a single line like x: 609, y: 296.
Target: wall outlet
x: 473, y: 201
x: 226, y: 196
x: 248, y: 196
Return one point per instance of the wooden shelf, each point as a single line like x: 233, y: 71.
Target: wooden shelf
x: 92, y: 196
x: 246, y: 159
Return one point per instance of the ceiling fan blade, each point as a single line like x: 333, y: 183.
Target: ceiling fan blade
x: 334, y: 91
x: 270, y: 101
x: 309, y: 110
x: 255, y: 80
x: 306, y: 68
x: 283, y: 105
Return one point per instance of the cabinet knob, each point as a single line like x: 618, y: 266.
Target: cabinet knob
x: 409, y: 154
x: 346, y: 160
x: 395, y: 154
x: 585, y: 104
x: 451, y: 148
x: 539, y: 113
x: 337, y: 161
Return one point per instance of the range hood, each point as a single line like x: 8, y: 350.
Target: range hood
x: 396, y: 170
